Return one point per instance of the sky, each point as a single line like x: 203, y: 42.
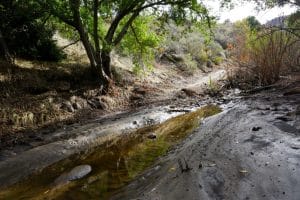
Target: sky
x: 240, y: 12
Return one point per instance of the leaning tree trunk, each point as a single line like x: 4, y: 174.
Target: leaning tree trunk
x: 105, y: 62
x: 4, y: 50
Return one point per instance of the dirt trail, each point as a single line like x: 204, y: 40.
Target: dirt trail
x: 251, y: 151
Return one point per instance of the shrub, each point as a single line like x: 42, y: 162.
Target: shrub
x: 189, y: 42
x: 263, y: 56
x: 24, y: 29
x: 270, y: 55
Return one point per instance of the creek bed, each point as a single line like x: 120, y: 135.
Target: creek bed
x: 114, y: 163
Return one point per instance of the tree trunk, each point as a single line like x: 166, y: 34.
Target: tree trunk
x: 97, y: 68
x: 105, y: 62
x: 4, y: 49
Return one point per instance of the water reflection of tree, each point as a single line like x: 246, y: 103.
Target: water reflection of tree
x: 117, y: 169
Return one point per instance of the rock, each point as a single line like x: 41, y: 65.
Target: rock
x: 77, y: 106
x: 97, y: 103
x: 177, y: 57
x: 222, y: 54
x: 80, y: 102
x: 139, y: 90
x: 76, y: 173
x: 108, y: 102
x: 151, y: 136
x: 73, y: 99
x: 189, y: 92
x: 256, y: 128
x: 79, y: 172
x: 135, y: 97
x: 67, y: 106
x: 209, y: 64
x: 92, y: 93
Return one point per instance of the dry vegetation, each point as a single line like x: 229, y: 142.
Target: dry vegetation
x: 36, y: 95
x: 262, y: 57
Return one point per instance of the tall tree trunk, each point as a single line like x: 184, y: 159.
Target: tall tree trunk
x: 4, y: 49
x: 105, y: 62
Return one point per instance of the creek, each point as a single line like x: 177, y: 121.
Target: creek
x: 113, y: 164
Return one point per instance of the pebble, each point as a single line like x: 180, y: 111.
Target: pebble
x: 151, y: 136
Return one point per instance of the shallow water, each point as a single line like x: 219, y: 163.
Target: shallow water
x: 114, y: 164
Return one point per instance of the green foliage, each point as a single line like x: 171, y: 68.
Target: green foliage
x: 64, y: 30
x: 140, y: 43
x: 293, y: 23
x: 105, y: 25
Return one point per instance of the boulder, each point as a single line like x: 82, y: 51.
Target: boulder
x: 77, y: 172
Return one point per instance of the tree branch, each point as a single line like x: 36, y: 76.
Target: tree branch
x: 124, y: 30
x: 120, y: 15
x: 72, y: 43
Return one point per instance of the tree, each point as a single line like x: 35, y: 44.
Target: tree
x: 102, y: 24
x: 262, y: 4
x: 253, y: 23
x: 4, y: 52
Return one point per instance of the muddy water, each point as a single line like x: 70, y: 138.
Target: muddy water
x: 114, y: 163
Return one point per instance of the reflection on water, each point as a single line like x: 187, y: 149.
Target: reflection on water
x: 114, y: 164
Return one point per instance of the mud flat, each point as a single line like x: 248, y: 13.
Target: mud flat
x: 251, y: 151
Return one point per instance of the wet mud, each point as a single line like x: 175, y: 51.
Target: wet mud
x: 250, y: 151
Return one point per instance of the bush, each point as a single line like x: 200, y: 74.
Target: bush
x: 35, y: 42
x: 270, y: 55
x: 263, y: 56
x: 24, y: 29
